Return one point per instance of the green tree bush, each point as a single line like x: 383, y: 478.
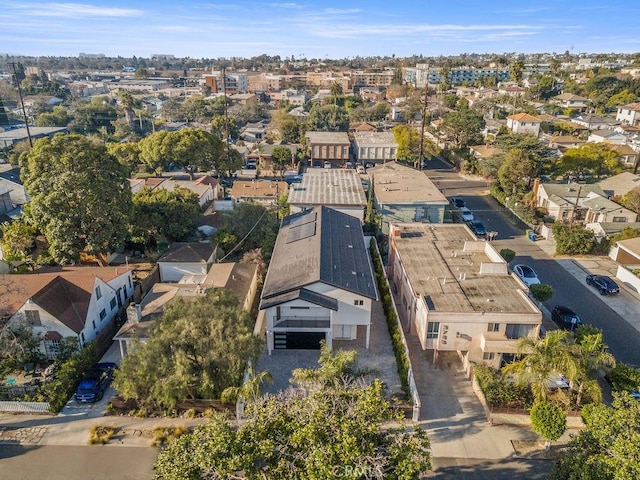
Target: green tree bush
x: 572, y: 240
x: 541, y: 293
x: 548, y: 420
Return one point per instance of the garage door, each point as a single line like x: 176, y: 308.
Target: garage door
x: 298, y: 340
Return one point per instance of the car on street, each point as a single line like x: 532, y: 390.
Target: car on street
x: 565, y: 318
x: 458, y: 202
x: 467, y: 216
x: 348, y: 165
x: 603, y: 284
x: 526, y: 274
x: 293, y: 179
x: 361, y: 169
x: 93, y: 385
x: 477, y: 227
x: 369, y: 165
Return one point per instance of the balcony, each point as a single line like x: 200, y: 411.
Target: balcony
x: 293, y: 321
x: 496, y: 342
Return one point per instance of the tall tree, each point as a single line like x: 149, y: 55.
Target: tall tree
x: 197, y: 349
x: 281, y: 158
x: 463, y: 127
x: 591, y: 356
x: 609, y: 446
x: 597, y: 158
x: 347, y: 430
x: 163, y: 214
x: 516, y: 70
x: 80, y: 196
x: 328, y: 118
x: 408, y: 140
x: 540, y: 359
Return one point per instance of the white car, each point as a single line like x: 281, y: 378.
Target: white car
x: 467, y: 216
x: 526, y: 274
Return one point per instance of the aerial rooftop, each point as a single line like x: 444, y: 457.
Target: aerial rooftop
x: 396, y: 183
x: 328, y: 186
x: 456, y: 273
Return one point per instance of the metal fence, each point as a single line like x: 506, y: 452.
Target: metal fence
x: 24, y: 407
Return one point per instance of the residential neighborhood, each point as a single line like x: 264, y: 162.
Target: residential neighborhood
x: 429, y: 264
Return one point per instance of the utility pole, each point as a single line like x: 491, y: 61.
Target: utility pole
x: 575, y: 207
x: 24, y: 112
x: 226, y: 118
x: 424, y: 118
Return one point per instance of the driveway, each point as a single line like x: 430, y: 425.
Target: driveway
x: 379, y: 357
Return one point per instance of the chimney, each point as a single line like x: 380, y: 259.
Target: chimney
x: 134, y: 313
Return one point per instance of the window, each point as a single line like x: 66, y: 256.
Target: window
x: 433, y: 328
x: 113, y: 303
x: 493, y: 327
x: 98, y: 293
x: 299, y: 308
x: 619, y: 219
x: 488, y: 356
x: 103, y: 314
x: 93, y: 322
x: 514, y: 331
x: 32, y: 317
x: 129, y: 280
x: 51, y: 349
x: 358, y: 302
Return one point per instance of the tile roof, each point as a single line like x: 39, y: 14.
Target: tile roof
x: 523, y: 117
x: 319, y: 245
x: 632, y: 106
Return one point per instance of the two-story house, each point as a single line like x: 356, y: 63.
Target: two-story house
x: 328, y: 149
x: 571, y: 101
x: 629, y: 114
x: 62, y: 302
x: 455, y: 293
x: 524, y: 123
x: 374, y: 147
x: 320, y: 283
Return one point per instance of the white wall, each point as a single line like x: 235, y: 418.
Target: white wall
x: 173, y: 272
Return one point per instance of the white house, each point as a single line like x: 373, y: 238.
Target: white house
x: 320, y: 283
x: 187, y: 258
x: 524, y: 123
x: 78, y: 302
x: 375, y: 147
x: 629, y: 114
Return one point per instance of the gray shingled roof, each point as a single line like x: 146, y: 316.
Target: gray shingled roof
x: 319, y: 245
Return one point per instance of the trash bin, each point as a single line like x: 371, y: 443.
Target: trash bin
x: 532, y: 237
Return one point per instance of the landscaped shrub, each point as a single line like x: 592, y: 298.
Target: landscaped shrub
x: 624, y: 378
x: 67, y: 377
x: 101, y: 434
x: 501, y: 392
x: 402, y: 361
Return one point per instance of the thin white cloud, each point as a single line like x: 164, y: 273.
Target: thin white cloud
x: 74, y: 10
x: 285, y: 5
x: 341, y: 11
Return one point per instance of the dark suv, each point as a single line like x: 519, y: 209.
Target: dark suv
x: 92, y: 387
x: 604, y: 284
x: 565, y: 318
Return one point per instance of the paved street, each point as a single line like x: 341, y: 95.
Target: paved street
x: 620, y: 324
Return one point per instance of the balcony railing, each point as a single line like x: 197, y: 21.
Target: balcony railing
x: 497, y: 342
x: 302, y: 322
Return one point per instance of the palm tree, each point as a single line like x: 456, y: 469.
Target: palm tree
x: 541, y: 359
x: 250, y: 388
x: 591, y: 356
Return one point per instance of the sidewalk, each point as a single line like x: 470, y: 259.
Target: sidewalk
x: 627, y: 304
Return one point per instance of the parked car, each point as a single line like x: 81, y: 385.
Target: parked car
x: 457, y: 202
x: 92, y: 387
x: 467, y: 216
x: 349, y: 165
x: 293, y: 179
x: 226, y: 182
x: 604, y: 284
x: 251, y: 165
x: 557, y: 381
x: 361, y: 169
x: 526, y: 274
x: 477, y: 227
x: 565, y: 318
x: 369, y: 165
x: 327, y: 165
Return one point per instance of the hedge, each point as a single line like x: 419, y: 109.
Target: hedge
x: 402, y: 361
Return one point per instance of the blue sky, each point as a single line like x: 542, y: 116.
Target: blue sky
x: 313, y: 29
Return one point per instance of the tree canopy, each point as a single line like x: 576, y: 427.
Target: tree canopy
x: 163, y: 214
x: 197, y: 349
x: 328, y: 118
x: 609, y: 446
x: 463, y: 127
x: 596, y: 158
x: 334, y: 428
x: 80, y: 196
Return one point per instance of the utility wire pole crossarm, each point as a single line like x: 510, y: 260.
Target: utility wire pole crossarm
x: 24, y: 111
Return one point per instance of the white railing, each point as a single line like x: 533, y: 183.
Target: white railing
x: 24, y: 407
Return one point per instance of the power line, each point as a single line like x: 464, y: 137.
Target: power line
x: 244, y: 238
x: 24, y: 111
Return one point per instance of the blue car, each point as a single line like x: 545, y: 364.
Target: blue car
x: 92, y: 387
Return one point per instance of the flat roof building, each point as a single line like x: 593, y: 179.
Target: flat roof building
x: 455, y: 293
x: 340, y: 189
